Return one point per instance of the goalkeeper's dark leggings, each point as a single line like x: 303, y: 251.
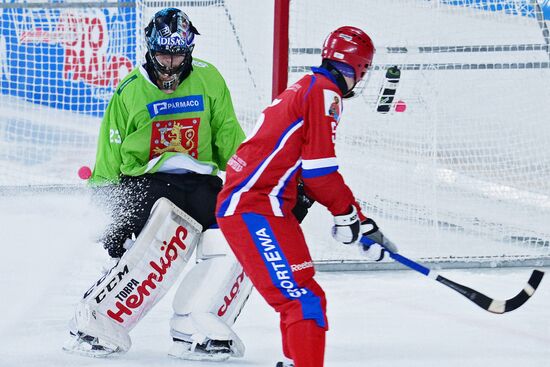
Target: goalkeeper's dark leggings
x: 131, y: 201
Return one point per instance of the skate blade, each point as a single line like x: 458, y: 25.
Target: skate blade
x: 84, y: 349
x: 181, y: 351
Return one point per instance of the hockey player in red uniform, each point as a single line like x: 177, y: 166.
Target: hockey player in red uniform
x: 294, y: 141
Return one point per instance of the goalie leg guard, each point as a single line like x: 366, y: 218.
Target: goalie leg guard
x: 126, y: 293
x: 207, y: 303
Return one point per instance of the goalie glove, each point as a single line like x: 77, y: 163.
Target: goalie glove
x: 376, y: 249
x: 346, y: 227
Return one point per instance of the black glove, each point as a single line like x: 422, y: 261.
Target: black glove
x: 376, y: 250
x: 114, y: 251
x: 303, y: 203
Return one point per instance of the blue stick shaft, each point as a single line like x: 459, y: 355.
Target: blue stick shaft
x: 400, y: 258
x: 409, y: 263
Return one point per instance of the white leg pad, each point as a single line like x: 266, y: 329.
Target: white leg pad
x: 90, y: 322
x: 205, y: 326
x: 211, y: 297
x: 123, y: 296
x: 212, y: 244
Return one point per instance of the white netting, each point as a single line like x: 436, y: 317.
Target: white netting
x: 463, y: 172
x: 60, y: 62
x: 58, y: 69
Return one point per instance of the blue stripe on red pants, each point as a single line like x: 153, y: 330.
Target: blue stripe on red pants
x: 279, y: 269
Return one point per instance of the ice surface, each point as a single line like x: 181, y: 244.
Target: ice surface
x: 376, y: 318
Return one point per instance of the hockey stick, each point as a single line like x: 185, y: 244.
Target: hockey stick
x: 483, y: 301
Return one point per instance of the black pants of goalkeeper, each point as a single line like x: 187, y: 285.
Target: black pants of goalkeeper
x: 130, y: 203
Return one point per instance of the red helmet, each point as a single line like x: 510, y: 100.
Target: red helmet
x: 352, y: 46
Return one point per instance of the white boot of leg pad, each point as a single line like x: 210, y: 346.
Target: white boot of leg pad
x: 202, y: 328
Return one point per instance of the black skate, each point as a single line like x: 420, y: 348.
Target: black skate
x: 284, y: 364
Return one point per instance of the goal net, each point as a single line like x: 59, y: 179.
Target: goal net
x: 60, y: 62
x: 456, y: 172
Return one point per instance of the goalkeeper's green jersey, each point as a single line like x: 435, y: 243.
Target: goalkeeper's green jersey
x: 145, y: 130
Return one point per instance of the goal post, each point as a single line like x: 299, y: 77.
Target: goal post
x: 280, y: 46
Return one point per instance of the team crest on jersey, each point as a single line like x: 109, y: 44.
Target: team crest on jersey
x: 333, y: 104
x: 181, y: 136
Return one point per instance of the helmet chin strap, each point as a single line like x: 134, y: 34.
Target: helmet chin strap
x: 351, y: 88
x: 347, y: 92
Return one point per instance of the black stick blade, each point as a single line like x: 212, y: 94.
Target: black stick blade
x: 493, y: 305
x: 526, y: 293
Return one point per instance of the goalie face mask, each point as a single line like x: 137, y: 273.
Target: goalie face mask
x: 168, y: 70
x: 170, y: 39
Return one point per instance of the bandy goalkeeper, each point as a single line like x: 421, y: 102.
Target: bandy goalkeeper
x: 167, y: 131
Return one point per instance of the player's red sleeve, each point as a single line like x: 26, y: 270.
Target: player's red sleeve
x: 320, y: 174
x: 321, y: 189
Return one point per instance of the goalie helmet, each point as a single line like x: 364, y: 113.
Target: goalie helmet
x: 170, y: 32
x: 352, y: 46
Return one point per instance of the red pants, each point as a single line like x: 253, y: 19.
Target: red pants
x: 275, y: 257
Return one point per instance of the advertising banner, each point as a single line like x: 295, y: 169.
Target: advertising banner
x: 66, y: 58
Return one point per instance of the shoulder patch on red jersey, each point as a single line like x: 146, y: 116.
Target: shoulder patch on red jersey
x: 333, y: 104
x: 295, y: 87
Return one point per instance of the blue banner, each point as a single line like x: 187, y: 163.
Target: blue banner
x: 68, y: 59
